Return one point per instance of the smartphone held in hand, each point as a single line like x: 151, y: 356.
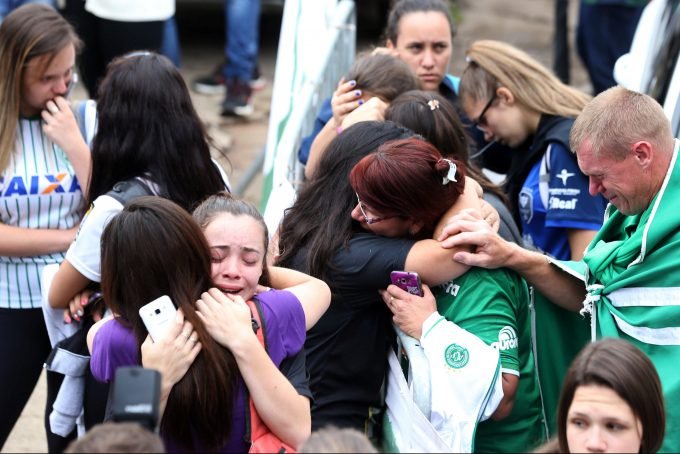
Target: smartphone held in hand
x: 408, y: 281
x: 158, y: 316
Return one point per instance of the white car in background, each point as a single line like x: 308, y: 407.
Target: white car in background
x: 653, y: 64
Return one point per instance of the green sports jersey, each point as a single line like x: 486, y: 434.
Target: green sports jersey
x: 494, y: 306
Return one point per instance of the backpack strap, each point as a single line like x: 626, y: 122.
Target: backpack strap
x: 251, y: 414
x: 256, y: 319
x: 128, y: 190
x: 256, y: 429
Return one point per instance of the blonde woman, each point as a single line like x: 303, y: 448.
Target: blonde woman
x: 44, y: 163
x: 515, y: 100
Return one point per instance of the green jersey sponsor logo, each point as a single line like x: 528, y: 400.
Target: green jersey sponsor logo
x: 507, y: 339
x: 456, y: 356
x: 450, y: 288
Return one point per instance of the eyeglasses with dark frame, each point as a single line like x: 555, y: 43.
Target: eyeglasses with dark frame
x: 480, y: 122
x: 369, y: 220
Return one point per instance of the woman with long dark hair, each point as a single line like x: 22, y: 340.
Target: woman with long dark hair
x: 148, y: 134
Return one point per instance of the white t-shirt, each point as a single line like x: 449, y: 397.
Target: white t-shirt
x: 132, y: 10
x: 85, y: 252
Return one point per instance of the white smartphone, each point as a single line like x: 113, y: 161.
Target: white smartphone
x: 157, y: 316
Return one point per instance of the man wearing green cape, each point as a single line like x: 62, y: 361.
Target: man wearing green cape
x: 629, y: 278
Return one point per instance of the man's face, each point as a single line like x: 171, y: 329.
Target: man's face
x: 424, y: 43
x: 625, y: 183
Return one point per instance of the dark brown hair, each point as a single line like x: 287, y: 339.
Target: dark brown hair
x: 432, y: 116
x: 626, y: 370
x: 404, y: 7
x: 319, y: 221
x: 382, y: 75
x: 148, y: 127
x: 153, y: 248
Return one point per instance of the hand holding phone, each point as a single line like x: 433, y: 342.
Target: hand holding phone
x: 157, y: 316
x: 408, y: 281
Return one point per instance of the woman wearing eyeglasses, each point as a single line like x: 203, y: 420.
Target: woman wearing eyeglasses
x: 515, y: 100
x: 325, y: 235
x: 44, y: 164
x: 410, y: 181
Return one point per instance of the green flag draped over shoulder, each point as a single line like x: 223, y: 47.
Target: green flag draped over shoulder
x: 633, y: 284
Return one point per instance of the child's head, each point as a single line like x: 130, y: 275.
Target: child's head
x: 433, y: 117
x: 382, y: 75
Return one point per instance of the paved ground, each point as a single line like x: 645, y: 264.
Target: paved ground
x: 525, y: 23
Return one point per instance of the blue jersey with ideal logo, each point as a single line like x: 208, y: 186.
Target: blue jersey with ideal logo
x: 564, y: 204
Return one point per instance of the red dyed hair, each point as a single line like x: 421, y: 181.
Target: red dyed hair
x: 405, y: 178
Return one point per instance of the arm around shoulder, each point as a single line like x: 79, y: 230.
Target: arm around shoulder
x: 491, y: 251
x: 314, y: 294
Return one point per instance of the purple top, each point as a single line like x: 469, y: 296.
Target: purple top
x: 114, y: 346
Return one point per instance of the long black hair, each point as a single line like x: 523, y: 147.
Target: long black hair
x: 148, y: 127
x: 153, y: 248
x: 320, y: 220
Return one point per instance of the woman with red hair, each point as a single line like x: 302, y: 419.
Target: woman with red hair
x: 346, y: 350
x: 403, y: 188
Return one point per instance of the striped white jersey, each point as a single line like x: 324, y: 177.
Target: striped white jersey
x: 38, y: 189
